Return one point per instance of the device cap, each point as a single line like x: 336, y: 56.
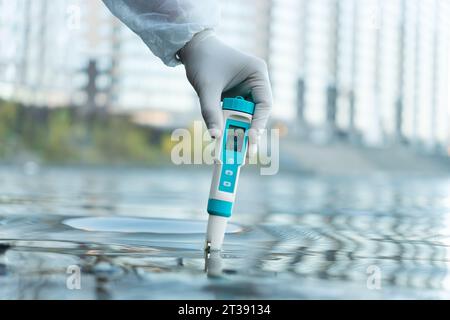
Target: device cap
x: 238, y: 104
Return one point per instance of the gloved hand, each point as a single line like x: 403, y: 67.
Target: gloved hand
x: 216, y: 71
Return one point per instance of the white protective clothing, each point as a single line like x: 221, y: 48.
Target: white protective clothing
x: 166, y: 25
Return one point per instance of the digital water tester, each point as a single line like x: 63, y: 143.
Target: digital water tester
x: 231, y: 150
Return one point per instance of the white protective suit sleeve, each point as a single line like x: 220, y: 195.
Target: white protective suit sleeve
x: 166, y: 25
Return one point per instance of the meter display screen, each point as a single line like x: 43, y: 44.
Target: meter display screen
x: 235, y: 138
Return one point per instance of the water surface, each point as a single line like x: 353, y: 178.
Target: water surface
x: 138, y: 233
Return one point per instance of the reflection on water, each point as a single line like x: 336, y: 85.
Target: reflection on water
x: 139, y: 234
x: 140, y: 225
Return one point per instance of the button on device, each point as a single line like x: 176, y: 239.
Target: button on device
x: 228, y: 178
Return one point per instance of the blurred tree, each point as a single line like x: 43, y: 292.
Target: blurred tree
x: 60, y: 136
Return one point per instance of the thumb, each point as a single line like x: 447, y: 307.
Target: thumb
x: 211, y: 111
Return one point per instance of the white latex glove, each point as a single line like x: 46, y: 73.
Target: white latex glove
x: 216, y: 71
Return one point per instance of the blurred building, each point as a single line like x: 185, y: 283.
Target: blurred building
x: 373, y: 72
x: 36, y: 60
x: 74, y: 52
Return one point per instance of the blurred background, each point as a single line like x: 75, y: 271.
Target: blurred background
x: 350, y: 77
x: 360, y: 98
